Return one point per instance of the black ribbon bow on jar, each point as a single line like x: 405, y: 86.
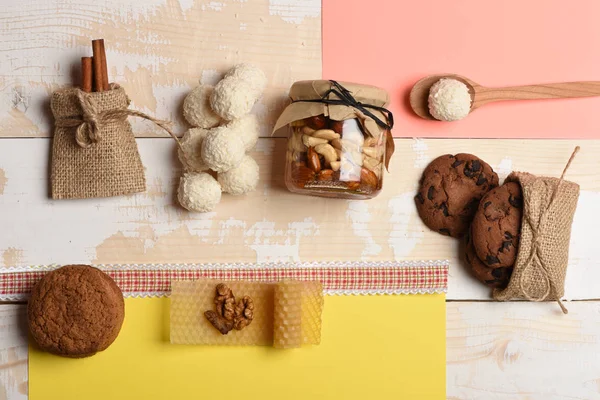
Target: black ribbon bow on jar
x: 345, y: 98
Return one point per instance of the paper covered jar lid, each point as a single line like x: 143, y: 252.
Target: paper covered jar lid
x: 338, y: 101
x: 316, y: 89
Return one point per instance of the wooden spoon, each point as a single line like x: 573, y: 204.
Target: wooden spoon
x: 481, y: 95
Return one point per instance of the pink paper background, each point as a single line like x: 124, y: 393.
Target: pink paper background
x: 393, y: 43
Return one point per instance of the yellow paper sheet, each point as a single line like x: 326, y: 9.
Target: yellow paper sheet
x: 389, y: 347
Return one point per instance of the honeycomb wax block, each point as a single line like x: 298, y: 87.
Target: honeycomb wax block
x: 298, y: 309
x: 190, y: 299
x: 286, y: 314
x: 312, y: 309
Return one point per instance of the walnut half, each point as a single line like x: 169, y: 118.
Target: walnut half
x: 223, y: 325
x: 244, y: 313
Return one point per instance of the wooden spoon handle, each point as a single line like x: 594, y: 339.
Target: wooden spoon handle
x: 485, y: 95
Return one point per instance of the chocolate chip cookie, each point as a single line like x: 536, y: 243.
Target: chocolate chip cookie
x: 75, y: 311
x: 450, y: 190
x: 493, y: 277
x: 496, y: 227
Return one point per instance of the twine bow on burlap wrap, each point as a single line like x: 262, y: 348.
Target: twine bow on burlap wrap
x: 548, y: 208
x: 94, y: 153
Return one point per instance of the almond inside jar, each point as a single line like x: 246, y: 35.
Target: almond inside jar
x: 334, y: 158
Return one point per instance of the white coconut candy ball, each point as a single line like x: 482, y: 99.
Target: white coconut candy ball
x: 233, y: 98
x: 198, y: 192
x: 247, y: 129
x: 250, y: 73
x: 241, y: 179
x: 222, y: 149
x: 235, y: 95
x: 449, y: 100
x: 196, y: 108
x: 191, y: 148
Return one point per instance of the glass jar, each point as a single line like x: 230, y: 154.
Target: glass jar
x: 333, y: 158
x: 340, y: 139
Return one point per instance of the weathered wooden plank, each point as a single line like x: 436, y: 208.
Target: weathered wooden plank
x: 499, y: 351
x: 13, y: 352
x: 158, y: 50
x: 273, y: 224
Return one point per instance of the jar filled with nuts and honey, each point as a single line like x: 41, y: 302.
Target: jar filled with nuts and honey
x: 343, y: 151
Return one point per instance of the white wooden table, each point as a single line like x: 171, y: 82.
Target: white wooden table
x: 494, y: 350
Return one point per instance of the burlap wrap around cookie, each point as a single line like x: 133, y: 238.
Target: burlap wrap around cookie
x: 548, y: 208
x: 94, y: 153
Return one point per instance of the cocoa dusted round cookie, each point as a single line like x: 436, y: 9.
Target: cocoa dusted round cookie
x: 75, y: 311
x: 496, y: 227
x: 450, y: 190
x: 492, y: 277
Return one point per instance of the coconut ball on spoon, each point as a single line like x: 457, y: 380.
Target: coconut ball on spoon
x: 449, y: 100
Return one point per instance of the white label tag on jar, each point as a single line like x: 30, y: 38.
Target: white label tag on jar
x: 351, y: 157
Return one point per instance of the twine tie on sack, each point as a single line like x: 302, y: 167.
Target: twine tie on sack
x: 345, y: 98
x: 535, y: 257
x: 89, y: 125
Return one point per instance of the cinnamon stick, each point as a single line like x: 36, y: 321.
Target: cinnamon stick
x: 86, y: 74
x: 98, y: 79
x: 105, y: 83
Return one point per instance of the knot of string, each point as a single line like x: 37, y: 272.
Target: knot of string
x: 88, y: 126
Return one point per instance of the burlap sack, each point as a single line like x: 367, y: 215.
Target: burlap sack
x: 94, y: 153
x: 548, y: 208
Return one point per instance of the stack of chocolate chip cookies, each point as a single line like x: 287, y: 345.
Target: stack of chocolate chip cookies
x: 459, y: 196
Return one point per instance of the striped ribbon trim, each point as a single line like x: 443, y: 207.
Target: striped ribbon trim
x: 154, y: 280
